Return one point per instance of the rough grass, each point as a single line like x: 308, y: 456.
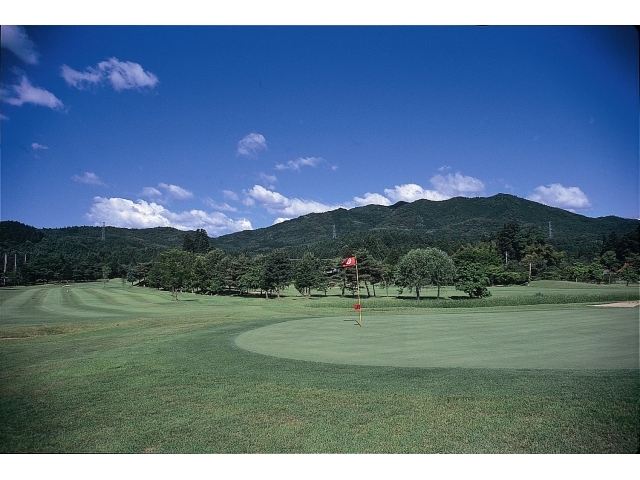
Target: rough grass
x: 129, y: 370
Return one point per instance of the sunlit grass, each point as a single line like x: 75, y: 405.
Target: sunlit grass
x: 129, y: 370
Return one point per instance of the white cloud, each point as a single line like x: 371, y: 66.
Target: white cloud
x: 151, y: 192
x: 267, y: 180
x: 556, y: 195
x: 3, y: 117
x: 224, y: 207
x: 37, y: 146
x: 88, y: 178
x: 169, y: 192
x: 79, y: 79
x: 230, y: 195
x: 410, y: 192
x: 444, y: 168
x: 372, y: 199
x: 121, y: 75
x: 176, y: 192
x: 24, y: 92
x: 300, y: 162
x: 456, y: 185
x: 16, y: 40
x: 251, y: 144
x: 278, y: 204
x: 121, y: 212
x: 280, y: 220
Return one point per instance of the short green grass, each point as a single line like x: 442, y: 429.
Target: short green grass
x: 112, y: 369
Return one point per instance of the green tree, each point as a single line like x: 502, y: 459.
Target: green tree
x: 422, y: 267
x: 201, y: 241
x: 131, y: 275
x: 106, y: 271
x: 187, y: 243
x: 276, y: 273
x: 511, y: 241
x: 629, y: 274
x: 253, y: 277
x: 472, y: 279
x: 442, y: 268
x: 308, y: 274
x: 610, y: 260
x: 171, y: 270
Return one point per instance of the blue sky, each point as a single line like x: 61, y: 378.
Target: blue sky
x: 229, y: 128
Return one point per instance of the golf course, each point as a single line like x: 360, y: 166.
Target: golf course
x: 108, y: 368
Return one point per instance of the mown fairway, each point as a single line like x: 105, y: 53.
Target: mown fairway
x: 112, y: 369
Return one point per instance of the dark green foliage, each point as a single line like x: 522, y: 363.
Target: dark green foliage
x: 422, y: 267
x: 16, y: 233
x: 423, y: 223
x: 308, y: 273
x: 187, y: 243
x: 172, y: 270
x: 276, y: 273
x: 78, y: 253
x: 478, y: 230
x: 472, y: 279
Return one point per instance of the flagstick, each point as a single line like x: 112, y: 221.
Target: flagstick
x: 358, y: 287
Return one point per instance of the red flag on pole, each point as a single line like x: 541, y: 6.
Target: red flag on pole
x: 356, y: 306
x: 349, y: 262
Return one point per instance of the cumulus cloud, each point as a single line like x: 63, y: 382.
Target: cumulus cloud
x: 121, y: 75
x: 372, y: 199
x: 165, y: 193
x: 557, y: 195
x: 16, y: 40
x: 410, y: 192
x: 122, y: 212
x: 88, y: 178
x: 278, y: 204
x: 24, y: 92
x: 251, y: 144
x: 456, y: 185
x: 37, y: 146
x: 300, y: 162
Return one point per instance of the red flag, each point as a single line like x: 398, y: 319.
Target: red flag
x: 356, y: 306
x: 349, y: 262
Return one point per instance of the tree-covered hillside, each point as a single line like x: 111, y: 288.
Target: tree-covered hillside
x: 79, y: 253
x: 460, y: 219
x: 504, y: 233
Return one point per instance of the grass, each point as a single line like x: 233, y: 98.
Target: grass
x: 128, y: 370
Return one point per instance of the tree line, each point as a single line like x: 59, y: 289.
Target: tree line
x: 511, y: 255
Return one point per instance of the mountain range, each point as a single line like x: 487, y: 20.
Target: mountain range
x: 458, y: 218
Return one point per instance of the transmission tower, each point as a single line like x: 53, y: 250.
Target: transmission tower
x: 103, y: 231
x: 334, y: 232
x: 550, y: 232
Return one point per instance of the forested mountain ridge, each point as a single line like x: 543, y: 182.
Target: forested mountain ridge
x: 387, y: 233
x: 80, y: 253
x: 459, y: 218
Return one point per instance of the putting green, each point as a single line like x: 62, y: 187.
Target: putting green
x: 579, y: 338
